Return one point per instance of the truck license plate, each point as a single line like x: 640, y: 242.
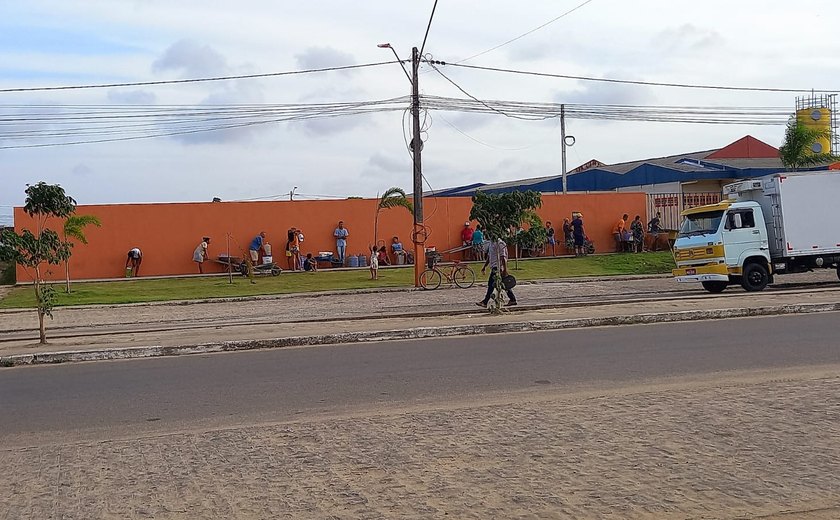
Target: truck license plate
x: 690, y: 271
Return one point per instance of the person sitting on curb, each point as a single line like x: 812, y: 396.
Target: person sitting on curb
x: 310, y: 265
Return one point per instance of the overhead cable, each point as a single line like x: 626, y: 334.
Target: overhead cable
x: 198, y: 80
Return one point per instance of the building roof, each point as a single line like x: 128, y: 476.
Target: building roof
x: 745, y: 158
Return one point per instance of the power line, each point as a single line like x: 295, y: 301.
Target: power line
x: 428, y: 26
x: 535, y: 29
x: 635, y: 82
x: 197, y: 80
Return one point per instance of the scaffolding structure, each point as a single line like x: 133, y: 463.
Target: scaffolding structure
x: 823, y: 101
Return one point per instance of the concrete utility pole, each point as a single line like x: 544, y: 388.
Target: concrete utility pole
x: 563, y: 147
x: 419, y: 235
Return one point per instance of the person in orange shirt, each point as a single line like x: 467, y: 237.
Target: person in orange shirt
x: 618, y: 233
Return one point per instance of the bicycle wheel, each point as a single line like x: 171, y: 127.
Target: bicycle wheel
x: 430, y: 279
x: 464, y: 277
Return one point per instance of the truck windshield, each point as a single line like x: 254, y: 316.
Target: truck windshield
x: 701, y: 223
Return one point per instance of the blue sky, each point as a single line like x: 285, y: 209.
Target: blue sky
x: 56, y: 42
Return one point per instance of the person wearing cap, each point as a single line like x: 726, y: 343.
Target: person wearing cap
x: 467, y: 238
x: 200, y: 253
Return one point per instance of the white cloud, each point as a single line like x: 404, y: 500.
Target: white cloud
x: 191, y: 59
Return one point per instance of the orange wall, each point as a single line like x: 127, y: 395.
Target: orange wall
x: 168, y: 233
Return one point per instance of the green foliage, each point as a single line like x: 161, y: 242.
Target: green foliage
x: 498, y: 213
x: 392, y: 198
x: 395, y: 198
x: 48, y: 200
x: 44, y: 246
x: 796, y: 152
x: 74, y: 226
x: 31, y: 250
x: 534, y: 236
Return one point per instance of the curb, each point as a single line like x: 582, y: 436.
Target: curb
x: 406, y: 334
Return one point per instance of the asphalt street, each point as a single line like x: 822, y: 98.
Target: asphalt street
x: 105, y: 399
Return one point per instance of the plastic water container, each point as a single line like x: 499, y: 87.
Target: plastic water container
x: 267, y: 259
x: 352, y: 261
x: 267, y: 248
x: 362, y: 261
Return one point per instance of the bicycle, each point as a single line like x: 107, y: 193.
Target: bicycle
x: 455, y: 273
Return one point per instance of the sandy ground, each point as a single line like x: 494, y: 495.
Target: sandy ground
x: 749, y: 445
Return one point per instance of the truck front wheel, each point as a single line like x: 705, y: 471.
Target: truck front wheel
x: 755, y: 277
x: 714, y: 287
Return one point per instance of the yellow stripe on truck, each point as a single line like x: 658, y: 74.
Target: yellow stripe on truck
x: 699, y: 253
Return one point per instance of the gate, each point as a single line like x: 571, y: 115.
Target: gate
x: 670, y: 205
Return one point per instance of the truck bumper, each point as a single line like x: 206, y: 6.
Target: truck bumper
x: 703, y: 273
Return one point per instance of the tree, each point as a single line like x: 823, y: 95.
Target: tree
x: 392, y: 198
x: 796, y: 152
x: 74, y: 227
x: 44, y: 246
x: 501, y: 214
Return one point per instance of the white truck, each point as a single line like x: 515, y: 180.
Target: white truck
x: 779, y: 224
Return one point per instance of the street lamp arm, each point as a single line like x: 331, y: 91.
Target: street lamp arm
x: 388, y: 46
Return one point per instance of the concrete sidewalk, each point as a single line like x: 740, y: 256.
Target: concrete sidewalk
x: 154, y: 330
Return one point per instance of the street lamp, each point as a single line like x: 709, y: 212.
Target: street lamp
x: 388, y: 46
x: 292, y: 194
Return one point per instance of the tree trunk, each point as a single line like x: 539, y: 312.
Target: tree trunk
x: 42, y: 330
x: 67, y: 275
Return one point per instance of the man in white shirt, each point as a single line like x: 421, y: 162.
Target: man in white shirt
x: 497, y: 260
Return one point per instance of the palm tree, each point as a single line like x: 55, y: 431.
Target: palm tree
x: 796, y: 152
x: 392, y: 198
x: 74, y: 227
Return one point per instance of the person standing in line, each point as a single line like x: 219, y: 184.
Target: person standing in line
x: 497, y: 260
x: 255, y: 248
x: 300, y: 238
x: 466, y: 238
x: 478, y: 242
x: 550, y: 238
x: 618, y: 233
x: 341, y: 233
x: 374, y: 263
x: 200, y: 253
x: 578, y: 234
x: 568, y: 241
x: 133, y: 261
x: 638, y: 231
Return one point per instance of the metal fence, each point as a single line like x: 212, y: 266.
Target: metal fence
x: 670, y: 205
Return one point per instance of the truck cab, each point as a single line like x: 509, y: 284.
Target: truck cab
x: 723, y: 244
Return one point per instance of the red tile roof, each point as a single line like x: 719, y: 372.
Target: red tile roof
x: 747, y: 147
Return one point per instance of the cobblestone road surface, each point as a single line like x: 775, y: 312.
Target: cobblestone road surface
x: 759, y: 448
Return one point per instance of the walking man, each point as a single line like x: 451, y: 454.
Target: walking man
x: 497, y: 259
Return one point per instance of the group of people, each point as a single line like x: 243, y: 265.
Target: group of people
x: 574, y: 236
x: 473, y: 242
x: 631, y: 237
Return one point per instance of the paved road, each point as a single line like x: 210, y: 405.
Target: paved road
x: 730, y: 419
x: 103, y: 399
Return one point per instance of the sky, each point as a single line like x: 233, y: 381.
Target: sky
x: 47, y: 43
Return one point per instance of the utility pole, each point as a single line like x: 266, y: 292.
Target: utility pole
x: 563, y: 146
x: 419, y: 235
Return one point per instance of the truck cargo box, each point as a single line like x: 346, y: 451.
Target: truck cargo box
x: 800, y: 210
